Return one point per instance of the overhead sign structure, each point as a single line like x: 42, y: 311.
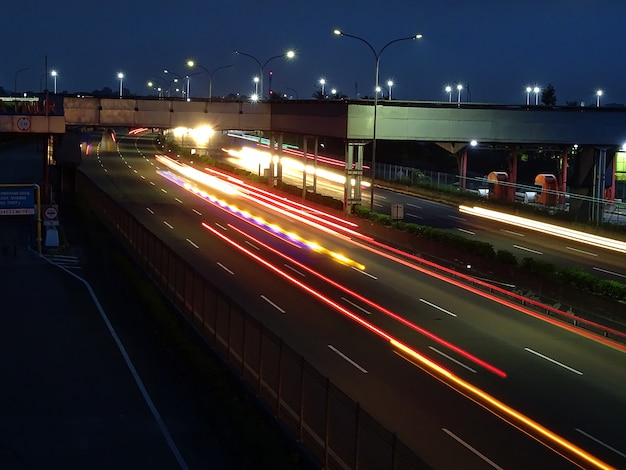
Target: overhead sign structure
x: 17, y: 200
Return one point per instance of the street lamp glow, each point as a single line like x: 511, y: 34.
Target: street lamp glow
x: 287, y: 55
x: 377, y: 55
x: 459, y: 87
x: 528, y: 91
x: 536, y: 91
x: 192, y: 64
x: 322, y: 83
x: 599, y: 93
x: 389, y: 84
x: 54, y: 75
x: 448, y: 89
x: 120, y: 75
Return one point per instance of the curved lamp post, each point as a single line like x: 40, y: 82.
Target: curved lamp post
x: 599, y: 93
x: 287, y: 55
x: 191, y: 63
x: 15, y: 79
x: 377, y: 55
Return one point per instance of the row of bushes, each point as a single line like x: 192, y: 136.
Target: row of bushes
x: 574, y: 277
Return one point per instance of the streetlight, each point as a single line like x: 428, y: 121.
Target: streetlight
x: 536, y: 91
x: 389, y: 84
x: 287, y: 55
x: 256, y: 85
x: 598, y: 95
x: 459, y: 87
x: 179, y: 77
x: 54, y: 75
x: 449, y: 92
x: 528, y: 90
x: 377, y: 55
x: 191, y: 63
x: 120, y: 75
x: 15, y: 79
x: 322, y: 83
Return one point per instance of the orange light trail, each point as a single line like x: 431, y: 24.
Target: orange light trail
x: 489, y: 400
x: 382, y: 309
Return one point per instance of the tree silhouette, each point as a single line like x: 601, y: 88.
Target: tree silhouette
x: 548, y: 96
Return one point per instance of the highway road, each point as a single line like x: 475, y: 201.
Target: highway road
x: 467, y: 381
x: 522, y: 242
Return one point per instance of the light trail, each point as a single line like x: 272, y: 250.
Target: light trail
x: 498, y: 407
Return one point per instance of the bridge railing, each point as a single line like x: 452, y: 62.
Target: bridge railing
x: 335, y: 428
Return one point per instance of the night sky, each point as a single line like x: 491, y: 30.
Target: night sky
x: 496, y: 47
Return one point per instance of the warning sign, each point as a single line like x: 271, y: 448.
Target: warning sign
x: 50, y: 215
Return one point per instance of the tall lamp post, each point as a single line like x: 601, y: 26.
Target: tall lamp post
x: 536, y: 91
x: 54, y: 75
x: 120, y: 75
x: 599, y: 93
x: 287, y: 55
x: 448, y: 89
x: 322, y: 84
x: 185, y: 88
x: 459, y: 87
x: 191, y: 63
x: 377, y: 55
x: 256, y: 85
x: 528, y: 90
x: 15, y: 79
x: 389, y: 84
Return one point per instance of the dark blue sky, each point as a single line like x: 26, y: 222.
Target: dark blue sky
x: 497, y: 47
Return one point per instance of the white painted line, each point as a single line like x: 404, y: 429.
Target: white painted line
x: 413, y: 205
x: 457, y: 218
x: 365, y: 273
x: 142, y: 177
x: 273, y: 304
x: 150, y: 210
x: 135, y: 171
x: 356, y: 306
x: 152, y: 183
x: 168, y: 224
x: 452, y: 359
x: 221, y: 226
x: 343, y: 356
x: 601, y: 443
x: 581, y: 251
x: 513, y: 233
x: 609, y: 272
x: 178, y: 200
x: 378, y: 204
x: 192, y: 243
x: 553, y: 361
x: 408, y: 214
x: 225, y: 268
x: 465, y: 231
x: 249, y: 243
x: 469, y: 447
x: 527, y: 249
x: 196, y: 211
x: 294, y: 270
x: 438, y: 307
x: 164, y: 190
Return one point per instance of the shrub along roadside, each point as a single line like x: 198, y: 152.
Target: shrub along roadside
x: 573, y: 277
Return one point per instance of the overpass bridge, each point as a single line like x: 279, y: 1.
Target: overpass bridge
x: 600, y: 132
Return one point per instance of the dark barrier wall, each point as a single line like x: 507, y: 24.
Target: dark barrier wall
x: 334, y: 427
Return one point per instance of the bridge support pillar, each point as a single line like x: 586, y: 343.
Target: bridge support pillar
x: 305, y: 163
x: 563, y: 175
x: 462, y: 162
x: 512, y: 185
x: 599, y: 184
x: 353, y: 171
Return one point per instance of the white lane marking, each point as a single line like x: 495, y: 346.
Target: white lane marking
x: 152, y: 183
x: 356, y: 306
x: 135, y: 171
x: 343, y: 356
x: 142, y: 177
x: 150, y: 210
x: 527, y: 249
x: 294, y: 270
x: 609, y: 272
x: 457, y: 218
x: 196, y: 211
x: 221, y: 226
x: 168, y: 224
x: 581, y: 251
x: 225, y: 268
x: 378, y: 204
x: 273, y: 304
x: 415, y: 216
x: 413, y: 205
x: 164, y: 190
x: 249, y: 243
x: 601, y: 443
x: 192, y: 243
x: 438, y: 307
x: 465, y: 231
x: 512, y: 233
x: 553, y: 361
x: 365, y: 273
x: 178, y: 200
x: 452, y: 359
x: 469, y: 447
